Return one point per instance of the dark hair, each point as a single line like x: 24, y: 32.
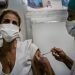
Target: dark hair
x: 10, y: 11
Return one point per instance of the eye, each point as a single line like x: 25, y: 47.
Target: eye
x: 6, y: 21
x: 14, y: 22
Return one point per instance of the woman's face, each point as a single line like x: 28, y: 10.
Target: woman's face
x: 10, y: 18
x: 71, y: 15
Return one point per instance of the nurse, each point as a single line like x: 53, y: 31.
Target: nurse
x: 58, y: 53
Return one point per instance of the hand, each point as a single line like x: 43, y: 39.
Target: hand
x: 59, y: 54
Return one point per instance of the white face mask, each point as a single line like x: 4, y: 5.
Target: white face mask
x: 9, y: 32
x: 70, y: 26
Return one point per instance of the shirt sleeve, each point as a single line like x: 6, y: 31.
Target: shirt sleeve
x: 73, y: 69
x: 30, y: 50
x: 33, y: 49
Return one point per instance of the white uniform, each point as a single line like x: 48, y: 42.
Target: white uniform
x: 24, y: 54
x: 73, y: 69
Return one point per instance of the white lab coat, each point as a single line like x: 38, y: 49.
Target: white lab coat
x: 73, y: 69
x: 24, y: 54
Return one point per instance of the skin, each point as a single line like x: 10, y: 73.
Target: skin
x: 60, y: 55
x: 41, y: 65
x: 11, y: 17
x: 8, y: 49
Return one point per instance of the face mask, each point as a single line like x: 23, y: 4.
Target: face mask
x: 70, y: 26
x: 9, y: 32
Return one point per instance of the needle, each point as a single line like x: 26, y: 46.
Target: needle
x: 46, y: 53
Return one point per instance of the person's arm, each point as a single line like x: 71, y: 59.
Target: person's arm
x: 36, y: 65
x: 47, y: 66
x: 69, y: 62
x: 60, y: 55
x: 41, y: 65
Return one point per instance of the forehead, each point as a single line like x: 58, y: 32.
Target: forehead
x: 10, y: 16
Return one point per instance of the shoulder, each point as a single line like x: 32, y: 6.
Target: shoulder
x: 28, y: 40
x: 27, y: 43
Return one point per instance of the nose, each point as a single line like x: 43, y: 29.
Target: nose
x: 10, y: 22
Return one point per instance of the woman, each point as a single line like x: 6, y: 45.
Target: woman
x: 15, y: 56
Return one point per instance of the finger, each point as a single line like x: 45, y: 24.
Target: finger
x: 55, y: 54
x: 53, y: 49
x: 38, y: 55
x: 58, y: 50
x: 38, y: 51
x: 57, y: 57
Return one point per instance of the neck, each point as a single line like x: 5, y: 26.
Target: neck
x: 14, y: 44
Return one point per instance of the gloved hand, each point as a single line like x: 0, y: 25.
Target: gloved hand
x: 60, y: 55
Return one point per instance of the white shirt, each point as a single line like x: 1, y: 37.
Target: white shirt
x: 24, y: 54
x: 73, y: 69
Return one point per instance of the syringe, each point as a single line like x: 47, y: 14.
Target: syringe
x: 46, y: 53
